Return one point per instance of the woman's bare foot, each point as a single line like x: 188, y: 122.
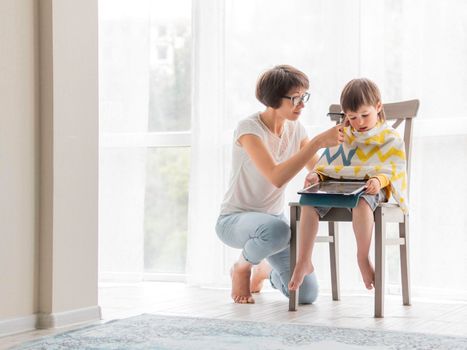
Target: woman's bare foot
x: 241, y: 283
x: 368, y: 272
x: 260, y: 273
x: 302, y: 268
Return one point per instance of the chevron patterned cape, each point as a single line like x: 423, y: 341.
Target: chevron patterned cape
x: 362, y: 155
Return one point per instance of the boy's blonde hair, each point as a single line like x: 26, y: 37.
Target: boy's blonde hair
x: 359, y: 92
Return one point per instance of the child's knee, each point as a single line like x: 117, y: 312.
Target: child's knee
x: 362, y: 206
x: 306, y: 209
x: 309, y: 212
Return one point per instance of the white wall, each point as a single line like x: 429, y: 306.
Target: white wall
x: 74, y: 155
x: 18, y: 158
x: 49, y: 163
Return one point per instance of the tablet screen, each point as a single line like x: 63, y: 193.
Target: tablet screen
x: 335, y: 187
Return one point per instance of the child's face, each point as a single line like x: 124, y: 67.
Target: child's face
x: 365, y: 118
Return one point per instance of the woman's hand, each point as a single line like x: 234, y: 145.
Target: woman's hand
x: 373, y: 186
x: 332, y: 137
x: 311, y: 179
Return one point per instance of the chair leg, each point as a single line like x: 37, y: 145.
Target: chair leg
x: 380, y: 252
x: 404, y: 256
x: 334, y: 258
x: 293, y: 295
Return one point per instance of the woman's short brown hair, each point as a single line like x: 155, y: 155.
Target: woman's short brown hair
x: 276, y: 82
x: 361, y: 92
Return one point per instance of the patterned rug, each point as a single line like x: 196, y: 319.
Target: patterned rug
x: 179, y: 333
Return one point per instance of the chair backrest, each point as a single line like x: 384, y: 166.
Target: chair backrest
x: 400, y: 112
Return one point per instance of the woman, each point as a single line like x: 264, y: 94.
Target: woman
x: 270, y: 148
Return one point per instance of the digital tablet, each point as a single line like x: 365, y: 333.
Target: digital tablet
x: 346, y: 188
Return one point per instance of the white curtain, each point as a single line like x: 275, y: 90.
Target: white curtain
x: 123, y: 101
x: 410, y: 49
x: 205, y: 252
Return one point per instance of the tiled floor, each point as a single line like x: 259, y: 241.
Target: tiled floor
x: 124, y: 300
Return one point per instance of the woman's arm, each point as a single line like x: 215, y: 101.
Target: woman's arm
x: 312, y: 162
x: 280, y: 174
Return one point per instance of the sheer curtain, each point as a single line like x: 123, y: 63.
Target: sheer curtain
x: 145, y: 102
x: 204, y: 251
x: 123, y: 100
x: 410, y: 49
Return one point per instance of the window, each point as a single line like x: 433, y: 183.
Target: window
x: 145, y: 122
x: 166, y: 209
x: 162, y: 52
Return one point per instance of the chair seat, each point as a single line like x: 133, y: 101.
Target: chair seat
x: 391, y: 211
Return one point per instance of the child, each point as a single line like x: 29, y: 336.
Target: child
x: 372, y: 151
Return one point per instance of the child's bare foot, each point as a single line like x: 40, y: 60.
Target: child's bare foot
x: 260, y: 273
x: 368, y: 272
x: 241, y: 283
x: 302, y: 268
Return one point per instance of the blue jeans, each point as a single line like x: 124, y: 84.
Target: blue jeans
x: 265, y: 236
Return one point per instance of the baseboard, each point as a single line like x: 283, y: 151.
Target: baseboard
x: 18, y: 325
x: 60, y: 319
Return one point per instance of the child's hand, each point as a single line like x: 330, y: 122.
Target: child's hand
x: 373, y: 186
x: 311, y: 179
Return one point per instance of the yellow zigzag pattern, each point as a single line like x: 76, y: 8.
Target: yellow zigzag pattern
x: 376, y: 170
x: 381, y: 137
x: 396, y: 176
x: 398, y: 180
x: 349, y: 138
x: 382, y: 156
x: 338, y: 168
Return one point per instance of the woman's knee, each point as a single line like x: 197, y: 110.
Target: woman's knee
x: 277, y: 232
x: 308, y: 290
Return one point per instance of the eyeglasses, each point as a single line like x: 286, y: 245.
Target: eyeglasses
x: 297, y: 99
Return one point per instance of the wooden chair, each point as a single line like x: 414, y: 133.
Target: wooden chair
x: 399, y: 112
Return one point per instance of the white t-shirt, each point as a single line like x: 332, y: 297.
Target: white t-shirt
x: 249, y: 190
